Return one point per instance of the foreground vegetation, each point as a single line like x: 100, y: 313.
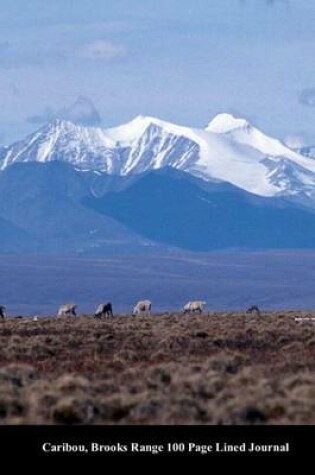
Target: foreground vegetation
x: 164, y: 369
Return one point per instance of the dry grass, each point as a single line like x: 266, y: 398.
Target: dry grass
x: 165, y: 369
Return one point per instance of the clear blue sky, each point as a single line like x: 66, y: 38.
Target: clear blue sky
x: 179, y: 60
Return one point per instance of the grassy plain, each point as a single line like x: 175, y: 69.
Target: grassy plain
x: 217, y: 368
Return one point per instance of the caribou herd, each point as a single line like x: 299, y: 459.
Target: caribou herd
x: 142, y: 308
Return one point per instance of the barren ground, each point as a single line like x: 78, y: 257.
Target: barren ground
x: 223, y: 368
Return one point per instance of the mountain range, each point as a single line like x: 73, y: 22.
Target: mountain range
x: 150, y: 185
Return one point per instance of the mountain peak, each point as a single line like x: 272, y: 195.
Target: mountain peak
x: 143, y: 121
x: 224, y: 123
x: 131, y: 131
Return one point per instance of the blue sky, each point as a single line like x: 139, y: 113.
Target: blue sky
x: 179, y: 60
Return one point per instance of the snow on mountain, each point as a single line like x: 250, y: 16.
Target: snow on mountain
x: 241, y: 131
x: 229, y: 149
x: 84, y: 147
x: 223, y: 123
x: 288, y: 170
x: 155, y: 144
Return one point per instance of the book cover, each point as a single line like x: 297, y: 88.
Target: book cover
x: 157, y: 226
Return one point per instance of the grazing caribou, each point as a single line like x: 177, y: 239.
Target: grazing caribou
x: 67, y: 310
x: 104, y: 310
x: 253, y: 310
x: 142, y: 308
x: 2, y: 312
x: 194, y: 306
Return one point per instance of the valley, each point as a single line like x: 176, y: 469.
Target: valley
x: 38, y: 285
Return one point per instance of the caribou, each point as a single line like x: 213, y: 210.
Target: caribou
x: 2, y: 312
x: 253, y: 310
x: 104, y: 310
x: 194, y: 306
x: 142, y: 308
x: 67, y: 310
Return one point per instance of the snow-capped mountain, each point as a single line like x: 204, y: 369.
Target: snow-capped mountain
x: 229, y: 149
